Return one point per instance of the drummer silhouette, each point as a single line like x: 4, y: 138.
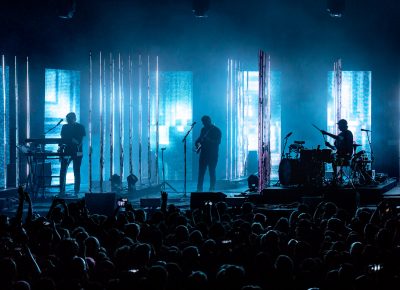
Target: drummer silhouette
x: 344, y: 149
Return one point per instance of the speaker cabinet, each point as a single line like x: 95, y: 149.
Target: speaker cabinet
x: 198, y: 199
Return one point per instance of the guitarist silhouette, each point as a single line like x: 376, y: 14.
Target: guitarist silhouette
x: 73, y: 133
x: 208, y: 144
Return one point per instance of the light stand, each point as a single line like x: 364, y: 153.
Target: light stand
x: 164, y: 183
x: 184, y: 157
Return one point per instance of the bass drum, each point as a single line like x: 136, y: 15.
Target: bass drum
x: 290, y: 172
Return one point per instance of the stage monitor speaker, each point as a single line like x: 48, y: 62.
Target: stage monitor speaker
x: 198, y: 199
x: 101, y: 203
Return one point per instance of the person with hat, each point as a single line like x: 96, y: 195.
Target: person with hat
x: 343, y: 145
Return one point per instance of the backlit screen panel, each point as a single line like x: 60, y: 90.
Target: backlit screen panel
x: 355, y: 104
x: 62, y: 95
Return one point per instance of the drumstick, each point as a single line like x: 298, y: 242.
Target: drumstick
x: 317, y: 128
x: 323, y: 136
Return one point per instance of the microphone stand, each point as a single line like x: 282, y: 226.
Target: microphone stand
x: 51, y: 129
x: 184, y: 158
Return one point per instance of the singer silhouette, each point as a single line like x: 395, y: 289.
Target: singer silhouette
x: 73, y: 134
x: 208, y: 145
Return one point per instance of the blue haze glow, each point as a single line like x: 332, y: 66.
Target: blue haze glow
x: 175, y: 119
x: 251, y: 119
x: 62, y: 95
x: 356, y: 104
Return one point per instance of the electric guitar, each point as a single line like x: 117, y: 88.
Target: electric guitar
x: 199, y: 144
x: 198, y: 148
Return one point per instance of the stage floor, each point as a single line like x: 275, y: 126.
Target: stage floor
x: 148, y: 197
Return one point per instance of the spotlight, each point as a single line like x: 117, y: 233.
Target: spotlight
x: 336, y: 8
x: 131, y: 179
x: 200, y: 8
x: 66, y: 8
x: 252, y: 183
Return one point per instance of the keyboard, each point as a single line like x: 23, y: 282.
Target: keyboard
x: 46, y: 141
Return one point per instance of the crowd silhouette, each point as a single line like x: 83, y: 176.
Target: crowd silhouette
x: 212, y: 247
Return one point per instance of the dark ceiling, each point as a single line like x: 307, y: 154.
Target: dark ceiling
x: 238, y: 28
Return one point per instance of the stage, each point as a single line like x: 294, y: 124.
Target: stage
x: 275, y: 199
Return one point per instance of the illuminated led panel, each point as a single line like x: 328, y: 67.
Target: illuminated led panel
x: 62, y: 95
x: 355, y: 104
x: 251, y: 117
x: 175, y: 119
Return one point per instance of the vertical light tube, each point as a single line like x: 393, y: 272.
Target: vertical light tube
x: 104, y: 117
x: 261, y: 98
x: 268, y: 126
x: 90, y: 120
x: 231, y: 124
x: 245, y: 143
x: 140, y: 123
x: 3, y: 67
x: 101, y: 122
x: 235, y: 121
x: 28, y: 108
x: 157, y: 123
x: 148, y: 122
x: 227, y: 120
x: 16, y: 122
x: 112, y: 108
x: 130, y: 117
x: 121, y: 116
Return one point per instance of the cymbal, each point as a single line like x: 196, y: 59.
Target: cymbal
x: 356, y: 145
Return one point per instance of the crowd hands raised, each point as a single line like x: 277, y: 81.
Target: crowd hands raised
x: 213, y: 247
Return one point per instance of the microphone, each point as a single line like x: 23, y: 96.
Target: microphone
x: 365, y: 130
x: 194, y: 123
x: 288, y: 135
x: 59, y: 122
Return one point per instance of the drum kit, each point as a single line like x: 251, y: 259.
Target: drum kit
x: 301, y: 166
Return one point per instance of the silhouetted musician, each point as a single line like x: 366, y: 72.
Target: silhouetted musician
x: 207, y: 144
x: 73, y: 134
x: 343, y: 146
